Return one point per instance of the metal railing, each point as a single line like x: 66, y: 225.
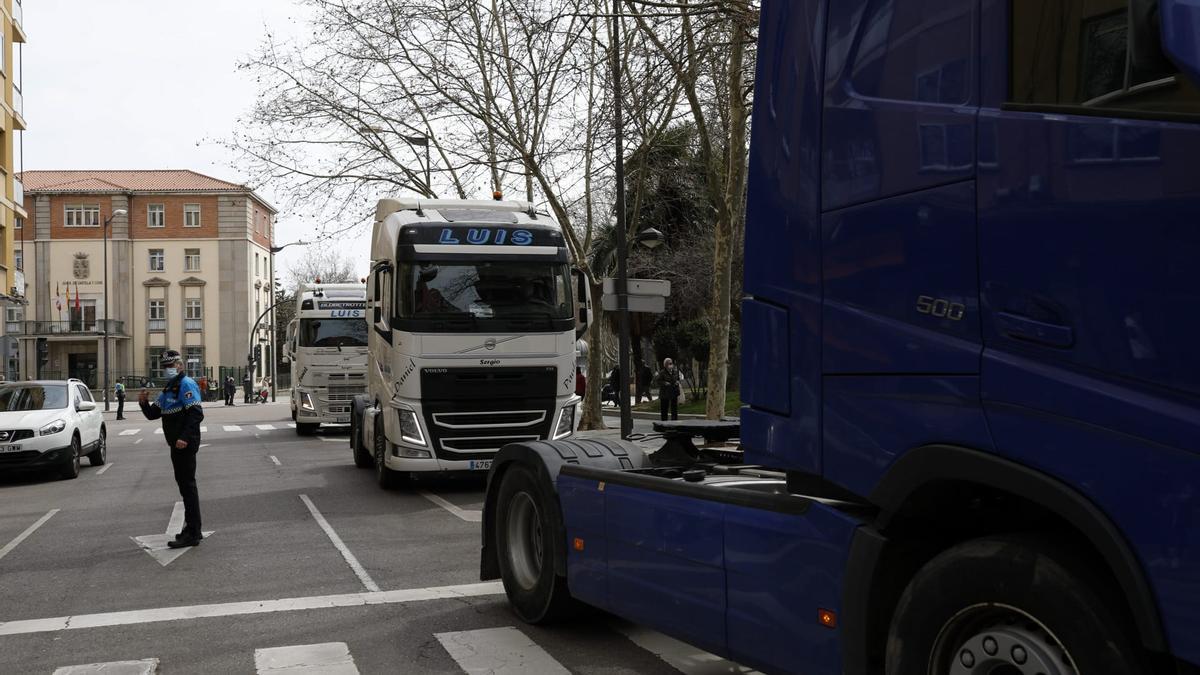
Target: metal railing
x: 82, y: 327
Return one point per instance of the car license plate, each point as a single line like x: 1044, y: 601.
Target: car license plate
x: 480, y: 464
x: 343, y: 419
x: 17, y: 448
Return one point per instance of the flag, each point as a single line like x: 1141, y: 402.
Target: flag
x: 57, y: 297
x: 77, y: 296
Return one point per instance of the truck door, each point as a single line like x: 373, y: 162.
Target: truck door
x: 1089, y: 242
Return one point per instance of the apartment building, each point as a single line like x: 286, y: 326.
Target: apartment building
x: 12, y: 211
x: 189, y: 267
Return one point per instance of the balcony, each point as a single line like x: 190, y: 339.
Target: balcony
x: 18, y: 193
x: 18, y: 15
x: 18, y: 104
x: 68, y: 328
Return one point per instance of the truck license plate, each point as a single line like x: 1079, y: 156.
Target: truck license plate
x: 480, y: 464
x: 17, y: 448
x: 343, y: 419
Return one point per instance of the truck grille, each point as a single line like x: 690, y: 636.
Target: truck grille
x: 476, y: 420
x: 344, y: 393
x: 482, y: 443
x: 473, y: 412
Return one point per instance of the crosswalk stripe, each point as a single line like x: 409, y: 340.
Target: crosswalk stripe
x: 680, y: 655
x: 143, y: 667
x: 499, y: 651
x: 291, y: 425
x: 265, y: 427
x: 331, y: 658
x: 130, y: 432
x: 204, y: 430
x: 158, y: 432
x: 232, y: 427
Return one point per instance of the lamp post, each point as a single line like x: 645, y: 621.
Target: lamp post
x: 274, y: 327
x: 107, y: 367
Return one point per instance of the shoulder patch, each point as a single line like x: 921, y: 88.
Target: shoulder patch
x: 187, y: 394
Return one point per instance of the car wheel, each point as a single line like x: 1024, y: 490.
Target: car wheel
x: 100, y: 454
x: 70, y: 467
x: 1014, y: 604
x: 525, y: 542
x: 387, y: 479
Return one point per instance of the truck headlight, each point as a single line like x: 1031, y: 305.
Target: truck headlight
x: 410, y: 427
x: 53, y: 428
x: 566, y: 423
x: 306, y: 401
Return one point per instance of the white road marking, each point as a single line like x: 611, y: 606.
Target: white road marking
x: 156, y: 544
x: 205, y: 445
x: 143, y: 667
x: 141, y: 616
x: 28, y: 531
x: 265, y: 427
x: 468, y: 515
x: 498, y: 651
x: 232, y: 427
x: 361, y: 573
x: 275, y: 460
x: 138, y: 441
x: 203, y: 430
x: 104, y: 468
x: 291, y: 425
x: 679, y: 655
x: 158, y: 432
x: 327, y: 439
x: 330, y: 658
x: 131, y: 432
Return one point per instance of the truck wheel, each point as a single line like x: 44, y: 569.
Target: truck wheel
x: 526, y: 547
x: 100, y: 454
x: 1017, y: 604
x: 362, y: 458
x: 304, y: 429
x: 387, y: 479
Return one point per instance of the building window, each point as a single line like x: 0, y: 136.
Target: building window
x: 157, y: 316
x: 153, y: 363
x: 20, y: 223
x: 13, y: 316
x: 158, y: 260
x: 257, y: 271
x: 193, y: 316
x: 82, y: 216
x: 83, y: 317
x: 191, y: 260
x: 191, y: 215
x: 19, y: 260
x: 194, y: 361
x: 155, y: 215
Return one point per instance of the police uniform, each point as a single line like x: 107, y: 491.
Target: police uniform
x: 181, y: 411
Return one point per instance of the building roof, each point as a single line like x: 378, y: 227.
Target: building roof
x: 151, y: 180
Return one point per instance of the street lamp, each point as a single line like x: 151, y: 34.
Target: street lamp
x: 107, y: 367
x: 651, y: 238
x: 419, y: 140
x: 274, y: 347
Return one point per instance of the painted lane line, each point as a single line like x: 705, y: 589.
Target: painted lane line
x: 232, y: 427
x: 468, y: 515
x: 499, y: 651
x: 104, y: 468
x: 330, y: 658
x: 28, y: 531
x: 158, y: 432
x: 203, y: 429
x: 143, y: 667
x: 291, y: 425
x: 131, y: 432
x: 327, y: 439
x: 361, y: 573
x: 138, y: 441
x: 265, y: 427
x: 679, y: 655
x: 143, y: 616
x: 275, y: 460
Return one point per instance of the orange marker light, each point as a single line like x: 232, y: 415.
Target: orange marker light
x: 827, y: 618
x: 578, y: 544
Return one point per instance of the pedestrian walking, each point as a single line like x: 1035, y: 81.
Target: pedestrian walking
x: 670, y: 385
x: 145, y: 383
x: 230, y: 389
x: 614, y: 383
x: 248, y: 386
x: 644, y: 377
x: 119, y: 390
x: 181, y: 411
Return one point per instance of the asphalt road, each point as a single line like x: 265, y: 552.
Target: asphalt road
x: 308, y: 563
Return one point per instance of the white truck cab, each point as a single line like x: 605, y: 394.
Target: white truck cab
x: 472, y: 329
x: 327, y: 348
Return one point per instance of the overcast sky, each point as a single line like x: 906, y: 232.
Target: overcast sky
x: 146, y: 84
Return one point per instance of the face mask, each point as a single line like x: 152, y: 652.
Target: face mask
x: 171, y: 372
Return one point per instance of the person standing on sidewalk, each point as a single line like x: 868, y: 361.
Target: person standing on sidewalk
x: 119, y: 390
x: 181, y: 412
x: 230, y: 389
x: 670, y: 385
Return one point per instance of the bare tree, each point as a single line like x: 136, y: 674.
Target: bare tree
x: 325, y: 264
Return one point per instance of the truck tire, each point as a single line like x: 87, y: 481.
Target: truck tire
x: 303, y: 429
x: 1019, y: 604
x: 362, y: 458
x: 387, y: 479
x: 526, y: 548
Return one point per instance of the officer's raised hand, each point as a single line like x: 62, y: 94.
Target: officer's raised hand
x: 181, y: 444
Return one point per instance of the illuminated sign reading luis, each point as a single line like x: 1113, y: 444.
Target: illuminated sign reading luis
x: 481, y: 236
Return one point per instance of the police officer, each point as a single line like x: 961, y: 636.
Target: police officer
x: 120, y: 390
x: 181, y: 411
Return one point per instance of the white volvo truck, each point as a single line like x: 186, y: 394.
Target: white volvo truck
x: 472, y: 326
x: 327, y: 348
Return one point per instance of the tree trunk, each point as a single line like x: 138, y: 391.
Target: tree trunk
x: 593, y: 417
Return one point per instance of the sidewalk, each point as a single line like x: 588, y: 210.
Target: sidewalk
x: 131, y: 403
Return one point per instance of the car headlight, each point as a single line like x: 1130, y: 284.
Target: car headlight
x: 306, y: 401
x: 410, y: 427
x: 566, y: 423
x: 53, y: 428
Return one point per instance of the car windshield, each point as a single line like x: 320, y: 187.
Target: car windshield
x: 32, y: 397
x: 485, y: 290
x: 332, y: 333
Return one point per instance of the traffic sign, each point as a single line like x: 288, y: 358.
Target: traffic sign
x: 652, y: 287
x: 651, y: 304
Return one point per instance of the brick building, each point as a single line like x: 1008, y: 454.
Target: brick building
x: 189, y: 268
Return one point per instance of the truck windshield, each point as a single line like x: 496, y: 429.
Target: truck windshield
x: 485, y: 290
x: 332, y: 333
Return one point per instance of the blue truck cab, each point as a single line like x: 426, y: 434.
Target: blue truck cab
x: 970, y: 364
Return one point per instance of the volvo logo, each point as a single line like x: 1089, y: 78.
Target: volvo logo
x: 490, y: 344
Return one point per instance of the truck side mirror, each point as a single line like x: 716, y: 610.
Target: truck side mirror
x: 582, y: 295
x: 1180, y: 39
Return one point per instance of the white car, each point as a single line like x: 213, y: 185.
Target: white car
x: 50, y: 424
